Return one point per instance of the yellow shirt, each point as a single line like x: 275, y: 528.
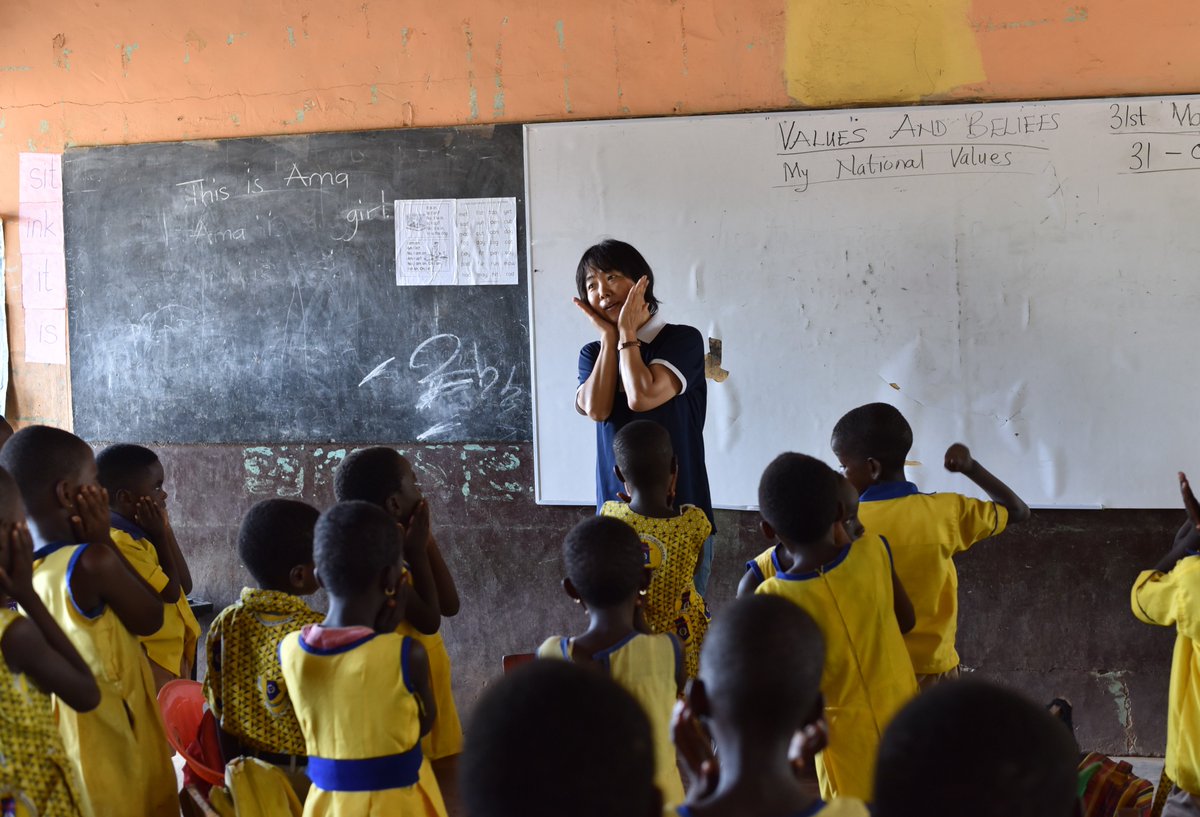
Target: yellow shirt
x: 244, y: 685
x: 868, y: 676
x: 1170, y: 599
x: 672, y: 549
x: 180, y: 631
x: 360, y: 718
x: 925, y: 531
x: 119, y: 748
x: 34, y: 768
x: 645, y: 665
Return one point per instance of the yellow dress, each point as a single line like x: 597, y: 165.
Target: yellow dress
x: 868, y: 676
x: 925, y: 532
x: 672, y: 548
x: 446, y: 736
x: 34, y: 769
x: 1173, y: 599
x: 119, y: 748
x: 356, y: 705
x: 177, y: 637
x: 244, y: 685
x: 764, y: 565
x: 645, y: 665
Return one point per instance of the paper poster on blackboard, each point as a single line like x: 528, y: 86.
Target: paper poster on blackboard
x: 456, y: 242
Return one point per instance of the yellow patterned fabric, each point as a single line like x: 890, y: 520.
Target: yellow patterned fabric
x: 119, y: 748
x: 177, y: 637
x: 35, y: 772
x: 672, y: 548
x: 645, y: 665
x: 244, y: 685
x: 357, y: 707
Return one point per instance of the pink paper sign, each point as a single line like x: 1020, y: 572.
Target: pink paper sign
x: 46, y: 336
x: 40, y: 177
x: 43, y: 281
x: 40, y: 227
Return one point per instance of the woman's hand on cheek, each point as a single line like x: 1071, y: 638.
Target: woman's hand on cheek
x: 635, y: 312
x: 602, y: 325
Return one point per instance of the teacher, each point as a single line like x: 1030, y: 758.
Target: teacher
x: 641, y: 368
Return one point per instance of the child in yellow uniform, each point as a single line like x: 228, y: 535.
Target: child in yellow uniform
x: 553, y: 739
x: 360, y: 690
x: 759, y: 687
x: 972, y: 748
x: 766, y: 564
x: 1169, y: 595
x: 244, y: 685
x: 853, y: 594
x: 604, y: 566
x: 102, y: 604
x: 36, y: 775
x: 141, y: 530
x: 383, y: 477
x: 925, y: 530
x: 672, y: 539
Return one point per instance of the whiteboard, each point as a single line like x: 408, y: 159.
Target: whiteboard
x: 1019, y: 277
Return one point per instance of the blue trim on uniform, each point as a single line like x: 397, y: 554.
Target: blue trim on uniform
x: 888, y: 548
x: 601, y: 657
x: 888, y: 490
x: 405, y: 652
x: 684, y: 811
x: 564, y: 644
x: 90, y: 614
x: 753, y: 567
x: 1191, y: 552
x: 775, y: 561
x: 825, y: 568
x: 304, y: 645
x: 53, y: 547
x: 119, y: 522
x: 370, y: 774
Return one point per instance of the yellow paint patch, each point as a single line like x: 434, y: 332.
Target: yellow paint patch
x: 845, y: 52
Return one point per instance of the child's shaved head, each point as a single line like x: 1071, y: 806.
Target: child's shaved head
x: 40, y: 457
x: 761, y: 665
x: 353, y: 543
x: 643, y: 452
x: 374, y: 475
x: 875, y: 431
x: 553, y: 739
x: 276, y: 536
x: 604, y: 560
x: 798, y: 497
x: 969, y: 747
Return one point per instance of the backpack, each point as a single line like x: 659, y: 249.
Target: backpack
x: 1109, y: 788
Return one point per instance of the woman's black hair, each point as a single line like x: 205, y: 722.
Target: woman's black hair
x: 611, y: 255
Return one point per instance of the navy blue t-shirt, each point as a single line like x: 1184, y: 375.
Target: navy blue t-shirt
x: 681, y: 349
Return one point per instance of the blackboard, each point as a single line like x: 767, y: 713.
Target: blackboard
x: 242, y: 290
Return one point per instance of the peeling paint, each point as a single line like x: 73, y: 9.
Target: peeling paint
x: 1117, y: 687
x: 127, y: 54
x: 374, y: 94
x: 272, y: 473
x: 237, y: 35
x: 15, y: 68
x: 472, y: 91
x: 404, y: 39
x: 291, y: 32
x: 44, y: 126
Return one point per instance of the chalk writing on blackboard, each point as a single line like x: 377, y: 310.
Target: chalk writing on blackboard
x: 456, y: 242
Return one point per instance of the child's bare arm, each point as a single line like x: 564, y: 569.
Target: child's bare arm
x: 906, y: 617
x: 749, y: 583
x: 448, y: 602
x: 157, y: 523
x: 36, y: 645
x: 421, y: 685
x: 959, y: 461
x: 1187, y: 540
x: 423, y: 610
x: 106, y: 578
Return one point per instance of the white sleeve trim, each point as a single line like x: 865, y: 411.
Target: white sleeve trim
x: 673, y: 368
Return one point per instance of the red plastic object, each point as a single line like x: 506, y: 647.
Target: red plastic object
x: 182, y: 705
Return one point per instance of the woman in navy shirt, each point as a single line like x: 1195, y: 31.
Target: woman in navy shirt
x: 641, y: 368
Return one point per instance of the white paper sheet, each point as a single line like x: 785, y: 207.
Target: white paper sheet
x: 456, y: 242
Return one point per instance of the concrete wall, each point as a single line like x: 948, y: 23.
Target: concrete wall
x: 1046, y: 608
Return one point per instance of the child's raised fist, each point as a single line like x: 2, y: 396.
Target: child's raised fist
x: 958, y: 459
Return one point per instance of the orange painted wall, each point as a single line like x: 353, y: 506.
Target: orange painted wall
x: 102, y: 72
